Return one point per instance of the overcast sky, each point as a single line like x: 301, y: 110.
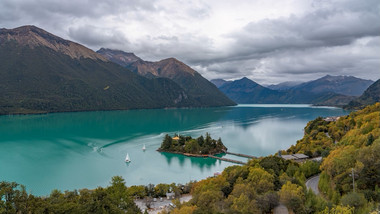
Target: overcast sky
x: 269, y: 41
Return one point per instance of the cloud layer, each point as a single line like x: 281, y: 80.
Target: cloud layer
x: 266, y: 40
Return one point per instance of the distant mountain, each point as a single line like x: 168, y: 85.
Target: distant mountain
x: 345, y: 85
x: 203, y: 91
x: 370, y: 96
x: 284, y: 85
x: 248, y: 91
x: 41, y: 72
x: 219, y: 82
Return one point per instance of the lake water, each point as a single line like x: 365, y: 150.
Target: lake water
x: 69, y: 151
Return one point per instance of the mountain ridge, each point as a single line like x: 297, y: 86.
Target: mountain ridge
x: 345, y: 85
x: 123, y: 58
x: 186, y: 77
x: 33, y: 36
x: 247, y: 91
x: 44, y: 73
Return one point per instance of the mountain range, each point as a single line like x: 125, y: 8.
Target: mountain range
x: 43, y: 73
x: 284, y: 85
x: 187, y: 78
x: 345, y: 85
x: 328, y: 90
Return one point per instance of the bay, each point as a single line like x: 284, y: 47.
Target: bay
x: 68, y: 151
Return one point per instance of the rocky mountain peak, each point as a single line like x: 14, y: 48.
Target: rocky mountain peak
x: 172, y: 66
x: 119, y: 57
x: 33, y: 37
x: 247, y: 82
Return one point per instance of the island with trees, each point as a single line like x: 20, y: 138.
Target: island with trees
x: 186, y: 145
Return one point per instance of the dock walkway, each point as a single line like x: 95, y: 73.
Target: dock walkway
x: 215, y: 157
x: 241, y: 155
x: 226, y: 159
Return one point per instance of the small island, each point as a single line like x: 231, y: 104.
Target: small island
x: 186, y: 145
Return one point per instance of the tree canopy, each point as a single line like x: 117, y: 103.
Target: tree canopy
x: 186, y: 144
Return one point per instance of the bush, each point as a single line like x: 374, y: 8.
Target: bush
x: 354, y: 199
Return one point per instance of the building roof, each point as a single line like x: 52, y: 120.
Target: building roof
x: 288, y: 157
x: 175, y: 138
x: 294, y: 157
x: 331, y: 119
x: 300, y: 156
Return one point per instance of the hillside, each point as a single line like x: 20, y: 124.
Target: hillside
x: 350, y: 144
x: 370, y: 96
x: 44, y: 73
x: 204, y: 92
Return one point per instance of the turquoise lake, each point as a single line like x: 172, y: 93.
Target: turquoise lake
x: 68, y: 151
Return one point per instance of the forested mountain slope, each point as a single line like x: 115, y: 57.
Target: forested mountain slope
x: 195, y: 85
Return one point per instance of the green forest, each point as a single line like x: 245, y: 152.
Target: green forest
x: 116, y: 198
x: 186, y: 144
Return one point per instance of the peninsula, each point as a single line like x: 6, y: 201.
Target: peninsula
x: 186, y: 145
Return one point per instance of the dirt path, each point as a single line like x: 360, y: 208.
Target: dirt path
x: 280, y: 209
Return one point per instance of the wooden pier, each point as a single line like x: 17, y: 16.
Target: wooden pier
x: 226, y: 159
x: 241, y: 155
x: 216, y: 157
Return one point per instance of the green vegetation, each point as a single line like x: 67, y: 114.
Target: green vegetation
x: 351, y: 147
x: 357, y: 129
x: 112, y: 199
x: 256, y: 187
x: 116, y: 198
x: 186, y: 144
x: 41, y: 80
x: 66, y: 84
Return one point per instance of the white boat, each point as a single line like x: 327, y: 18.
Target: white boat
x: 143, y: 148
x: 127, y: 159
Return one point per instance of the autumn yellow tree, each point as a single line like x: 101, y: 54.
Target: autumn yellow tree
x: 292, y: 196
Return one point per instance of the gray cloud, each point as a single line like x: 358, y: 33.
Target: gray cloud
x: 98, y: 37
x: 320, y: 37
x: 318, y: 43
